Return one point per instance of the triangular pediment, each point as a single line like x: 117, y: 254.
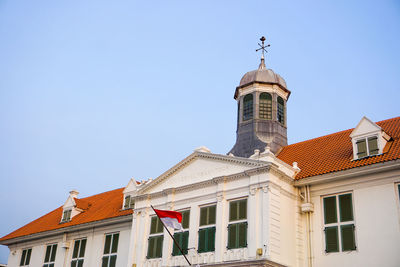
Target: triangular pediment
x: 365, y: 127
x: 69, y: 203
x: 131, y: 187
x: 199, y: 167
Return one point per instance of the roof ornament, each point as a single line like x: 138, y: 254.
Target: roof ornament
x: 262, y: 48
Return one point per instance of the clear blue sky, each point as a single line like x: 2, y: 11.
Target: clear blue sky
x: 93, y: 93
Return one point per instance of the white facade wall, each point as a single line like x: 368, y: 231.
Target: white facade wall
x: 271, y: 206
x: 93, y: 252
x: 376, y: 217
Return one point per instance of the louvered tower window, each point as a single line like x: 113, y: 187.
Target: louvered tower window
x: 281, y: 110
x: 248, y: 107
x: 265, y: 106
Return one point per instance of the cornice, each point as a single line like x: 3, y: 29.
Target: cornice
x: 350, y: 173
x: 68, y: 229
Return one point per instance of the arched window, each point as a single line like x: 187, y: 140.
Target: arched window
x: 281, y: 110
x: 248, y: 107
x: 265, y: 106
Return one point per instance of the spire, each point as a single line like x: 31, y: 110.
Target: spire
x: 262, y: 48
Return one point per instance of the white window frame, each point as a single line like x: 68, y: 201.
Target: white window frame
x: 365, y: 138
x: 131, y: 204
x: 66, y: 217
x: 110, y: 254
x: 155, y: 235
x: 207, y: 225
x: 78, y: 258
x: 239, y: 221
x: 338, y: 223
x: 50, y: 263
x: 25, y: 263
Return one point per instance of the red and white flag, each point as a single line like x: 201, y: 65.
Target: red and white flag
x: 170, y: 218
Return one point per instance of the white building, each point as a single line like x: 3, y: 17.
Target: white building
x: 329, y: 201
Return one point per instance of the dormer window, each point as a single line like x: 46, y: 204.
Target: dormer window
x: 129, y: 203
x: 367, y: 147
x: 66, y: 216
x: 368, y: 139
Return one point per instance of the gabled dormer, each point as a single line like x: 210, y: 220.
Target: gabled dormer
x: 130, y: 192
x: 70, y: 208
x: 368, y: 139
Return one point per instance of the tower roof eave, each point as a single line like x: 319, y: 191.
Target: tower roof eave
x: 260, y: 82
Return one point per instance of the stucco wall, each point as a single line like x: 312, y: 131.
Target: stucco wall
x: 93, y: 252
x: 377, y: 222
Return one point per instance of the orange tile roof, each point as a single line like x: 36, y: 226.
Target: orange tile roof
x: 95, y: 208
x: 334, y: 152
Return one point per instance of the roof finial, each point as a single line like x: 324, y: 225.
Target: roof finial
x: 262, y: 48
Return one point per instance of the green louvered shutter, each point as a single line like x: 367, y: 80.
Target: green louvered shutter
x: 373, y: 145
x: 348, y: 240
x: 232, y: 236
x: 159, y: 243
x: 202, y: 240
x: 242, y: 209
x: 242, y: 235
x: 150, y: 248
x: 211, y: 239
x: 175, y: 249
x: 233, y: 213
x: 126, y: 204
x: 211, y: 215
x: 185, y: 241
x: 361, y: 148
x: 331, y: 239
x: 346, y: 208
x: 330, y: 210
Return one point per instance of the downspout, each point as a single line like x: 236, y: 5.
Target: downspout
x: 308, y: 208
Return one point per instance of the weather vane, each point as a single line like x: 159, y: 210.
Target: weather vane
x: 262, y: 46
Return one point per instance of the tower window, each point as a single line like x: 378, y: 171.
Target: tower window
x: 265, y: 106
x: 248, y: 107
x: 281, y: 110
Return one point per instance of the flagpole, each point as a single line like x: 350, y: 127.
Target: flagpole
x: 176, y: 243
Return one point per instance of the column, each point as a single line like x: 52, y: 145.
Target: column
x: 220, y: 231
x: 132, y: 241
x: 265, y: 220
x: 252, y: 231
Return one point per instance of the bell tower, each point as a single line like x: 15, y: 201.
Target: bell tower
x: 261, y: 120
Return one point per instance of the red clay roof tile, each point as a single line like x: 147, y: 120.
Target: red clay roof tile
x: 95, y: 208
x: 334, y: 152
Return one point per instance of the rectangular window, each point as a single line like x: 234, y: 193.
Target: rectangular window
x: 78, y: 254
x: 50, y: 256
x: 66, y: 216
x: 129, y: 203
x: 156, y: 238
x: 339, y: 223
x: 182, y: 237
x: 367, y: 147
x: 25, y: 257
x: 237, y: 228
x: 110, y: 250
x: 207, y: 229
